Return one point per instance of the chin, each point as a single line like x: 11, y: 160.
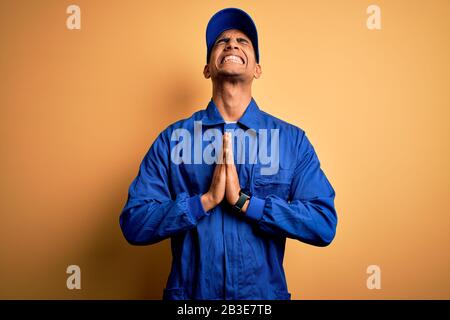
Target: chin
x: 231, y: 71
x: 231, y: 74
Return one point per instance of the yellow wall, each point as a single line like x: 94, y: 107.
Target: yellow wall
x: 79, y: 109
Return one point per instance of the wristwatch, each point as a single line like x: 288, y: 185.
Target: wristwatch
x: 244, y: 195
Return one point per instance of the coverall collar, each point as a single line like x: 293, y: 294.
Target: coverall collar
x: 250, y: 119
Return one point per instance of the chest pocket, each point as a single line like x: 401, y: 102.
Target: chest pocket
x: 278, y: 184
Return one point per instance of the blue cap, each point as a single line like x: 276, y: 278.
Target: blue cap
x: 230, y: 18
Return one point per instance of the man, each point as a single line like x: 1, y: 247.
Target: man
x: 210, y: 183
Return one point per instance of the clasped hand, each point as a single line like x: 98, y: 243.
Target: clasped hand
x: 225, y: 180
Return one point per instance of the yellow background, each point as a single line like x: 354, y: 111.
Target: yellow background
x: 79, y: 109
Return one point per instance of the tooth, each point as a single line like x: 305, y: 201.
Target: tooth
x: 234, y: 59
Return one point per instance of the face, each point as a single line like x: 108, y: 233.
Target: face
x: 232, y: 56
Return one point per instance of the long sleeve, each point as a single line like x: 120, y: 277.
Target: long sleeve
x: 151, y: 213
x: 310, y: 215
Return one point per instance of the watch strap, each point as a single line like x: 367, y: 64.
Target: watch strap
x: 241, y: 201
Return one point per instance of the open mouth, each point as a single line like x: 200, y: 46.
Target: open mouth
x: 232, y: 59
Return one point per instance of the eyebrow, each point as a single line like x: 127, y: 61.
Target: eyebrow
x: 228, y: 39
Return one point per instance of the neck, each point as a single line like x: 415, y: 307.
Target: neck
x: 231, y: 99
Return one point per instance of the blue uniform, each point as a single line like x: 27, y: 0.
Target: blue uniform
x: 222, y: 254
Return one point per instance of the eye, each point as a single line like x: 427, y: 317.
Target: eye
x: 242, y: 40
x: 221, y: 40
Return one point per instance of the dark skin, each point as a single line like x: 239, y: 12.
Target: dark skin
x: 232, y: 68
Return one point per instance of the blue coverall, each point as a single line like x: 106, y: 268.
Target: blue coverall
x: 222, y: 254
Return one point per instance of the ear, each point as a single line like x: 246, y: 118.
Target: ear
x: 206, y: 72
x: 258, y: 71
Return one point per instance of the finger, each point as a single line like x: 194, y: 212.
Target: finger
x: 224, y: 147
x: 228, y: 150
x: 222, y: 153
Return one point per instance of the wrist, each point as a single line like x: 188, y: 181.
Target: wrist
x: 208, y: 201
x: 245, y: 206
x: 232, y: 199
x: 242, y: 200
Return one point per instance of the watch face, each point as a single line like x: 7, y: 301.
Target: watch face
x: 246, y: 191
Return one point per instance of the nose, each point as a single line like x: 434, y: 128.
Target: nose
x: 232, y: 44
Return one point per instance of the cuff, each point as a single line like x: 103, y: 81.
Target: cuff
x: 255, y: 208
x: 195, y: 207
